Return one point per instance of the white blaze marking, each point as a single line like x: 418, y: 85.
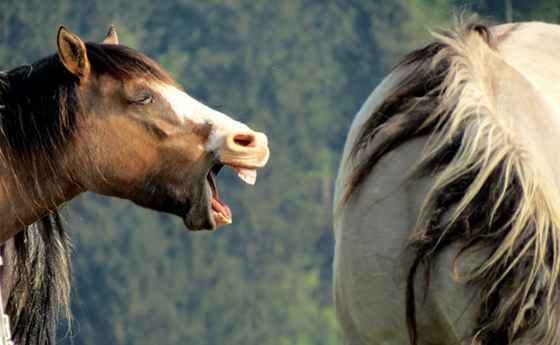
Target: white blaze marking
x: 189, y: 109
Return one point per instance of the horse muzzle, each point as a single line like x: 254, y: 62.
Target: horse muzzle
x: 245, y: 152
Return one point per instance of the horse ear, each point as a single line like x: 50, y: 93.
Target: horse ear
x: 112, y: 37
x: 72, y: 53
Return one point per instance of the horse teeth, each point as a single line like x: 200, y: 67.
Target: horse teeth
x: 249, y: 176
x: 221, y: 218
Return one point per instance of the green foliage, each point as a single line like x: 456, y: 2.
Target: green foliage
x: 546, y: 10
x: 296, y: 69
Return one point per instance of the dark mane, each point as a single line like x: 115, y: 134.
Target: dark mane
x: 40, y: 113
x: 32, y: 119
x: 402, y: 115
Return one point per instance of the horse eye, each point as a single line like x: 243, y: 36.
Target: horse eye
x: 145, y: 99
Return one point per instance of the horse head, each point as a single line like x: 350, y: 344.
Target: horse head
x: 142, y: 137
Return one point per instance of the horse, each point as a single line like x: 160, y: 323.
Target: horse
x: 447, y: 199
x: 104, y: 118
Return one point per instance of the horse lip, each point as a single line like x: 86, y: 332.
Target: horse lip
x: 201, y: 219
x: 210, y: 225
x: 245, y: 162
x: 199, y: 216
x: 246, y: 172
x: 241, y: 165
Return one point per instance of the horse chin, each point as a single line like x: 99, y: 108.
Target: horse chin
x: 206, y: 218
x: 198, y: 222
x: 199, y: 216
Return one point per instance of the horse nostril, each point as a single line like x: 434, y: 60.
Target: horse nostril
x: 244, y: 149
x: 245, y: 140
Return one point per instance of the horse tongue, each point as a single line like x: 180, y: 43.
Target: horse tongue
x: 248, y: 176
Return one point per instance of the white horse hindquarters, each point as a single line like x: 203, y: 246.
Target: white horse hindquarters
x: 368, y: 253
x: 362, y: 262
x: 370, y: 265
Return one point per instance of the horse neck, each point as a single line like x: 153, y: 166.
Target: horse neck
x: 32, y: 179
x: 21, y: 205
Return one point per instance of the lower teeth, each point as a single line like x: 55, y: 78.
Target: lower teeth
x: 221, y: 217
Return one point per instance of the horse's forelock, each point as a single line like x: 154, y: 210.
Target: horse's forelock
x: 124, y: 63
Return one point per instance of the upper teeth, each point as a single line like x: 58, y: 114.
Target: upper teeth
x: 247, y: 175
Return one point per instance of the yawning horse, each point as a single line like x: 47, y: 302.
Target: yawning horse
x: 447, y: 206
x: 102, y: 118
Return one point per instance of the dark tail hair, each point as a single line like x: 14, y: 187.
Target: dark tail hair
x: 41, y: 280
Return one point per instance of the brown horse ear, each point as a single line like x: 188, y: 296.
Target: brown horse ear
x: 112, y: 37
x: 72, y: 53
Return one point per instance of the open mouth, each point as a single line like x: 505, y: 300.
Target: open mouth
x: 220, y: 210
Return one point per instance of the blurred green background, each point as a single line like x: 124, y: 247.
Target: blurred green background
x: 296, y: 69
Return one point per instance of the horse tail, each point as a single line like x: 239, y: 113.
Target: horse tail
x: 40, y: 274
